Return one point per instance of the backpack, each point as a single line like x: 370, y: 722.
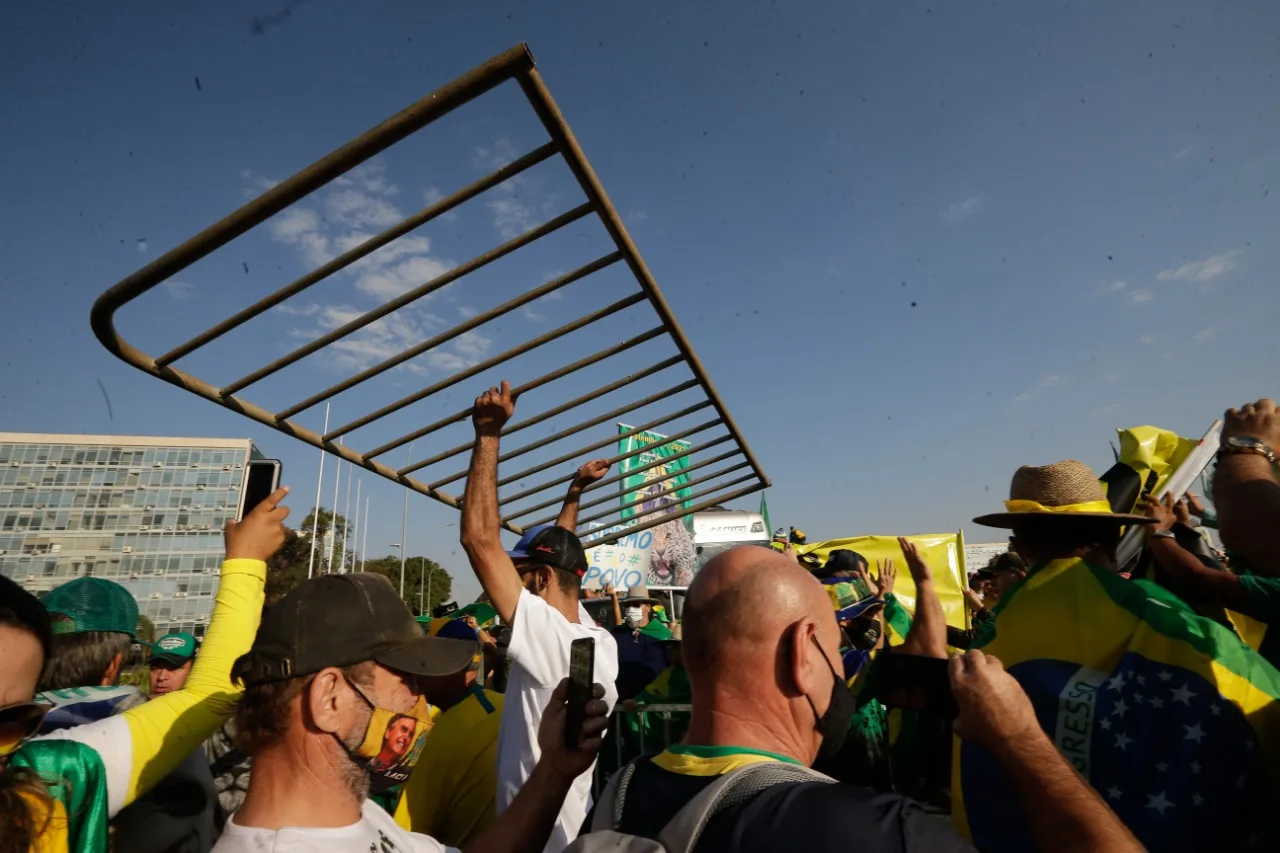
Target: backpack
x: 681, y: 835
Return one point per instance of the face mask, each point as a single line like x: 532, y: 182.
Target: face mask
x: 634, y: 615
x: 834, y: 724
x: 392, y: 742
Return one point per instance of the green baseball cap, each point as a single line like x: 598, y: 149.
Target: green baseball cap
x: 92, y: 604
x: 174, y: 649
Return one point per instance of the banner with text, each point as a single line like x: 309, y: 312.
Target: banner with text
x: 672, y: 558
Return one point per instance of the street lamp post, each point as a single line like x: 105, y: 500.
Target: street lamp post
x: 404, y: 522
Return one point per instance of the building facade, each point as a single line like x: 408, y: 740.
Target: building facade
x: 145, y: 512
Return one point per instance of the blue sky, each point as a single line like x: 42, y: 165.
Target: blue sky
x: 915, y: 244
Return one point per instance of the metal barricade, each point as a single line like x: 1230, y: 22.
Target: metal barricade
x: 626, y: 741
x: 714, y: 427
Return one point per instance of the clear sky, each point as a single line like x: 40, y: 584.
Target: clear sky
x: 917, y: 244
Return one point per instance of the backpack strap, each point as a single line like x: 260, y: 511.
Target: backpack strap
x: 732, y: 789
x: 608, y: 809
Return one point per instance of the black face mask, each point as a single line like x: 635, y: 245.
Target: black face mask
x: 834, y: 724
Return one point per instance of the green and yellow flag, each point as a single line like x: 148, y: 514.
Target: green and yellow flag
x: 1172, y: 719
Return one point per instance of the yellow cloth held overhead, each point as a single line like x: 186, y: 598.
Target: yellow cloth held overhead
x: 942, y: 552
x: 1033, y: 506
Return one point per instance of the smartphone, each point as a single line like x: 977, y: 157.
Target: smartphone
x: 915, y: 683
x: 582, y: 667
x: 262, y: 479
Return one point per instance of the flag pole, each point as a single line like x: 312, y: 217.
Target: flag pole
x: 356, y: 538
x: 315, y: 519
x: 346, y: 522
x: 333, y: 518
x: 364, y: 531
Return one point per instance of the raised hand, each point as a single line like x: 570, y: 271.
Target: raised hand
x: 259, y: 534
x: 919, y: 569
x: 994, y: 709
x: 1161, y: 511
x: 493, y: 409
x: 887, y: 576
x: 592, y: 472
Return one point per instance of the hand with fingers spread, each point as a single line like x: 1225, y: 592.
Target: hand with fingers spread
x: 592, y: 472
x: 1161, y: 511
x: 565, y: 762
x: 261, y: 533
x: 994, y: 709
x: 887, y: 576
x: 493, y: 409
x: 920, y: 571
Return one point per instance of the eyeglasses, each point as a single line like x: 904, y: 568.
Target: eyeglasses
x: 19, y: 722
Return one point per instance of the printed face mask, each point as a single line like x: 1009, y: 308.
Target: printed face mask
x: 392, y: 742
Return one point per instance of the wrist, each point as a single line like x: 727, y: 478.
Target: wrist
x: 1024, y: 745
x: 488, y: 431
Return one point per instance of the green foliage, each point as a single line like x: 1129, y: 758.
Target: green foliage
x: 424, y: 580
x: 137, y: 676
x: 146, y: 632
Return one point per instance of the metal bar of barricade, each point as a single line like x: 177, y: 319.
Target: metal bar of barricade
x: 577, y: 428
x: 449, y: 334
x: 674, y: 515
x: 410, y: 296
x: 613, y: 497
x: 563, y: 407
x: 559, y: 373
x: 369, y: 246
x: 665, y: 460
x: 506, y: 355
x: 648, y: 496
x: 671, y: 516
x: 560, y: 460
x: 558, y: 128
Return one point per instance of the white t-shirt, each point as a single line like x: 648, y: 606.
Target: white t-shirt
x: 539, y: 652
x: 374, y: 831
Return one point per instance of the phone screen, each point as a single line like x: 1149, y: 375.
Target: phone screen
x: 262, y: 480
x: 915, y: 683
x: 582, y: 658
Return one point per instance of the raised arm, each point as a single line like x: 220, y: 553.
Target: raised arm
x: 1206, y: 585
x: 1245, y: 490
x: 928, y: 633
x: 588, y: 474
x: 143, y: 745
x: 481, y: 524
x: 1064, y: 812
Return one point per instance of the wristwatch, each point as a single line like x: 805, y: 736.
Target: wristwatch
x: 1163, y: 534
x: 1246, y: 444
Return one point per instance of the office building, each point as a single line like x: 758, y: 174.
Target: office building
x: 145, y: 512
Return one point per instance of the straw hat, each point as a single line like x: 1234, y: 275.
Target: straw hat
x: 1064, y: 491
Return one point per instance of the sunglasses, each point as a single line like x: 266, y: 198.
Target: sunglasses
x: 18, y: 723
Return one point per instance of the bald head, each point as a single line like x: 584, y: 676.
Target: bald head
x: 743, y: 601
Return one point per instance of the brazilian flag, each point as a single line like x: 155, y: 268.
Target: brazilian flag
x: 1172, y: 719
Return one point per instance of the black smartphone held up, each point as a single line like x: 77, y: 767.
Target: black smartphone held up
x: 915, y: 683
x: 262, y: 480
x: 582, y: 667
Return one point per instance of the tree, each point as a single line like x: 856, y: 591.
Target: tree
x: 339, y: 525
x: 146, y: 632
x: 424, y: 579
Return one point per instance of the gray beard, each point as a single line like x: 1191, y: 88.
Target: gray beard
x: 355, y: 777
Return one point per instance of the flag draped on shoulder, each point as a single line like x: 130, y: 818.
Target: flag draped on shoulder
x: 1172, y: 719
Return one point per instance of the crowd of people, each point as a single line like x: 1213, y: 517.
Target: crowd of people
x: 1075, y: 712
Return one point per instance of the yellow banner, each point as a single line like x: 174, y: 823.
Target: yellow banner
x: 1148, y: 449
x: 943, y: 552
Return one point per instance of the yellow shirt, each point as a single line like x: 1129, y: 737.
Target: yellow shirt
x: 451, y: 794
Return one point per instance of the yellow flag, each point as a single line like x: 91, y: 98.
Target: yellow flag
x: 1151, y: 451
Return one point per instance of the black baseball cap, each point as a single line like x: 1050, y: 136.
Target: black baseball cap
x: 841, y: 560
x: 340, y: 620
x: 552, y: 546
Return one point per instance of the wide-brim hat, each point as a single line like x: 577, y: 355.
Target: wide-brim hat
x: 639, y: 594
x: 1065, y: 491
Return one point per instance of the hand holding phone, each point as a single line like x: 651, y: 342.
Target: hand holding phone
x: 582, y: 665
x: 915, y: 683
x: 261, y: 480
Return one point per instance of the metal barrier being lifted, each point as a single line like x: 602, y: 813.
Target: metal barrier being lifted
x: 716, y: 431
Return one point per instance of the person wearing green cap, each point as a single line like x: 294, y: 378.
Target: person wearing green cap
x: 171, y: 659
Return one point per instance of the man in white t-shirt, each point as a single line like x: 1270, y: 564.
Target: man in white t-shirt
x: 535, y: 590
x: 333, y: 707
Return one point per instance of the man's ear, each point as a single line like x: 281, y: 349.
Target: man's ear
x: 323, y: 700
x: 112, y: 675
x: 803, y: 676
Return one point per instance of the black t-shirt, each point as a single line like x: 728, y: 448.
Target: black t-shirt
x: 813, y: 817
